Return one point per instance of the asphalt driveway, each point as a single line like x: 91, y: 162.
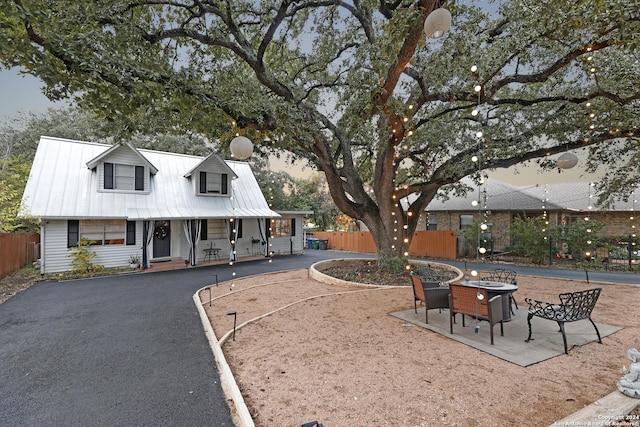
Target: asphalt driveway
x: 124, y: 350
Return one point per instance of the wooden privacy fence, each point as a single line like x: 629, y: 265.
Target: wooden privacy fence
x: 17, y: 250
x: 428, y: 244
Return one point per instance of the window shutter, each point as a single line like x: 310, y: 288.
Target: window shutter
x: 108, y: 176
x: 203, y: 182
x: 293, y: 226
x: 203, y: 229
x: 73, y: 232
x: 268, y: 230
x: 139, y: 178
x: 239, y: 228
x: 131, y: 232
x: 223, y: 183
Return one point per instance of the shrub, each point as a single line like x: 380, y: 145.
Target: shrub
x: 529, y: 238
x: 389, y: 260
x: 82, y: 258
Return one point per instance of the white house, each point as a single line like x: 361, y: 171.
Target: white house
x: 156, y: 205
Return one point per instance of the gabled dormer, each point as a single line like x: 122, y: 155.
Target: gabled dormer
x: 211, y: 177
x: 123, y: 169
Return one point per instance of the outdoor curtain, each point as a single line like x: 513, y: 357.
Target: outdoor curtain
x: 147, y: 237
x: 231, y: 234
x: 264, y: 235
x: 192, y: 229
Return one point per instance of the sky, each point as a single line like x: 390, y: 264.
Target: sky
x: 22, y: 94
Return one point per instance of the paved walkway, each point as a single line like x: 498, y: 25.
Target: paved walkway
x: 123, y: 350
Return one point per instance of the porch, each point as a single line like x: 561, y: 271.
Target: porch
x: 179, y: 264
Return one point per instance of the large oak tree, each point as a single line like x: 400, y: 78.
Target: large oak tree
x: 353, y: 86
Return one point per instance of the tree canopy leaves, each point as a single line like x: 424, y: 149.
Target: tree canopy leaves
x: 353, y: 86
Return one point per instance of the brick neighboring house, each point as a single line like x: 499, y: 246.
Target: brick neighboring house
x: 563, y: 203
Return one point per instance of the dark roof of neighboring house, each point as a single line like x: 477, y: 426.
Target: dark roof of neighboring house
x: 501, y: 196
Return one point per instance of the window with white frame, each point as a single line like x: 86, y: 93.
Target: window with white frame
x: 282, y: 227
x: 100, y: 232
x: 466, y: 221
x: 216, y: 229
x: 432, y: 222
x: 213, y: 183
x: 123, y: 177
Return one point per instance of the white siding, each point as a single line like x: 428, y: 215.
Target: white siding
x: 177, y: 240
x: 56, y: 254
x: 283, y: 245
x: 250, y: 231
x: 54, y: 247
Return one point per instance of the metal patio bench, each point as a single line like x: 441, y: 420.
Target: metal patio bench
x: 573, y: 306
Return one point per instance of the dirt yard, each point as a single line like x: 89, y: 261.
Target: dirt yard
x: 333, y: 354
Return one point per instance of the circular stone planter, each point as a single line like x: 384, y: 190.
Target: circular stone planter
x: 315, y: 273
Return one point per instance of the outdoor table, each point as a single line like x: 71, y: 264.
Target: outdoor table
x: 212, y: 251
x: 495, y: 288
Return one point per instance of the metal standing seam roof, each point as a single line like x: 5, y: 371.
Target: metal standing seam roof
x: 60, y: 185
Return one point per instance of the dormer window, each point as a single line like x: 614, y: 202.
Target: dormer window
x: 213, y: 183
x: 123, y: 177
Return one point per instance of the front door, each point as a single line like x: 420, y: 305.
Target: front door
x: 162, y: 239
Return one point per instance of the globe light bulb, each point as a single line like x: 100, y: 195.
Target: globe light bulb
x: 241, y: 147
